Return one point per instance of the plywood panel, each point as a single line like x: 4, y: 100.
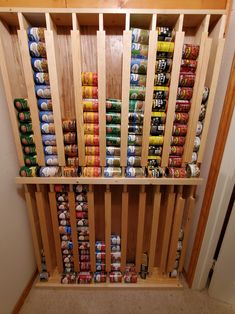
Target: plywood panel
x: 89, y: 48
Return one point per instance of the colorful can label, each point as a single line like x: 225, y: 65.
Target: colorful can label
x: 138, y: 66
x: 161, y: 79
x: 172, y: 172
x: 115, y: 277
x: 175, y: 161
x: 92, y: 150
x: 47, y: 128
x: 159, y: 105
x: 113, y: 161
x: 44, y: 104
x: 177, y: 140
x: 165, y: 49
x: 67, y: 245
x: 156, y: 140
x: 24, y: 116
x: 51, y: 160
x: 37, y: 49
x: 163, y: 65
x: 90, y: 128
x: 39, y: 64
x: 113, y: 117
x: 69, y: 125
x: 158, y: 129
x: 136, y: 106
x: 89, y: 92
x: 115, y: 248
x: 84, y: 258
x: 85, y: 266
x: 192, y: 170
x: 111, y: 172
x: 41, y: 78
x: 114, y: 129
x: 136, y: 118
x: 135, y: 172
x: 100, y: 266
x: 91, y: 140
x: 46, y: 116
x: 92, y: 172
x: 36, y: 34
x: 180, y: 129
x: 21, y: 104
x: 184, y: 93
x: 93, y: 161
x: 115, y: 239
x: 27, y: 139
x: 112, y: 151
x: 202, y: 112
x: 137, y: 93
x: 140, y: 36
x: 158, y: 117
x: 113, y: 140
x: 28, y: 171
x: 190, y: 51
x: 139, y: 51
x: 134, y: 161
x: 30, y: 160
x: 89, y: 79
x: 72, y: 171
x: 116, y: 266
x: 43, y: 91
x: 70, y: 138
x: 154, y: 161
x: 130, y: 277
x: 134, y: 150
x: 91, y: 117
x: 194, y: 157
x: 65, y: 230
x: 99, y: 277
x: 26, y: 128
x: 113, y: 105
x: 155, y: 150
x: 135, y: 129
x: 29, y: 150
x: 49, y: 139
x: 49, y: 172
x: 181, y: 117
x: 160, y: 92
x: 71, y: 150
x: 135, y: 140
x: 91, y: 105
x: 84, y: 278
x: 137, y: 80
x: 155, y: 172
x: 100, y: 246
x: 72, y: 162
x: 186, y: 79
x: 188, y: 66
x: 177, y: 150
x: 182, y: 106
x: 199, y: 128
x: 165, y: 34
x: 197, y: 143
x: 100, y: 256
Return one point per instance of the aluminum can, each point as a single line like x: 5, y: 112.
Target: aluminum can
x: 21, y: 104
x: 43, y: 91
x: 175, y: 172
x: 28, y: 171
x: 89, y: 79
x: 190, y: 51
x: 36, y: 34
x: 91, y: 105
x: 192, y: 170
x: 92, y: 172
x: 138, y: 66
x: 89, y: 92
x: 39, y: 64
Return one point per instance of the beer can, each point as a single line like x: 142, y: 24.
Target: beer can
x: 186, y: 79
x: 47, y: 128
x: 49, y: 172
x: 134, y: 150
x: 84, y: 278
x: 130, y: 267
x: 135, y: 140
x: 159, y: 105
x: 91, y: 105
x: 93, y: 161
x: 72, y: 171
x: 172, y: 172
x: 188, y: 66
x: 83, y: 230
x: 90, y: 128
x: 113, y: 161
x: 92, y: 150
x: 165, y: 49
x: 83, y: 237
x: 156, y: 140
x: 113, y: 105
x: 82, y: 222
x: 136, y: 118
x: 115, y: 248
x: 91, y: 117
x: 177, y: 140
x: 199, y: 128
x: 160, y: 92
x: 115, y: 266
x: 192, y: 170
x: 197, y: 143
x: 175, y: 161
x: 202, y: 112
x: 114, y: 129
x: 154, y: 161
x: 49, y: 139
x: 100, y: 256
x: 162, y: 79
x: 190, y: 51
x: 157, y: 129
x: 70, y: 138
x: 26, y: 127
x: 115, y: 277
x: 24, y: 116
x: 37, y: 49
x: 46, y: 116
x: 134, y: 161
x: 113, y: 140
x: 69, y: 125
x: 21, y: 104
x: 176, y: 150
x: 136, y: 106
x: 155, y: 172
x: 139, y: 51
x: 67, y: 258
x: 36, y: 34
x: 205, y: 94
x: 44, y: 104
x: 62, y: 206
x: 130, y: 277
x: 43, y: 91
x: 89, y: 79
x: 135, y: 129
x: 181, y: 117
x: 92, y: 172
x: 137, y: 92
x: 27, y: 139
x: 99, y: 277
x: 115, y: 239
x: 184, y: 93
x: 135, y: 172
x: 100, y: 266
x: 41, y: 78
x: 65, y: 230
x: 85, y: 266
x: 30, y: 160
x: 163, y: 65
x: 39, y: 64
x: 138, y: 66
x: 100, y: 246
x: 28, y: 171
x: 180, y: 129
x: 112, y: 151
x: 29, y: 150
x: 194, y: 157
x: 137, y: 79
x: 90, y: 92
x: 155, y: 150
x: 140, y: 36
x: 113, y: 117
x: 182, y: 106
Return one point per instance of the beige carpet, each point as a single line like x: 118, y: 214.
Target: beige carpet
x: 125, y: 301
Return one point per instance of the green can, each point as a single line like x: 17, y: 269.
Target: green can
x: 28, y: 171
x: 137, y: 92
x: 113, y: 105
x: 139, y: 50
x: 29, y: 150
x: 136, y: 106
x: 21, y: 104
x: 24, y: 116
x: 27, y: 139
x: 26, y: 127
x: 113, y: 140
x: 30, y: 160
x: 114, y: 129
x: 113, y: 118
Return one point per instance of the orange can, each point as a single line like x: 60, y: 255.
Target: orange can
x: 89, y: 79
x: 92, y: 161
x: 91, y: 117
x: 89, y: 92
x: 92, y: 172
x: 91, y: 140
x: 90, y: 105
x: 92, y: 150
x: 90, y: 128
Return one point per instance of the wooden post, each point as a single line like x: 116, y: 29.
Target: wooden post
x: 125, y: 201
x: 107, y: 206
x: 91, y: 219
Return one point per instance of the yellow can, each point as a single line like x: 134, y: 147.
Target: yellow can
x: 155, y: 140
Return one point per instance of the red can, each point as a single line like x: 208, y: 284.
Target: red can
x: 180, y: 129
x: 93, y: 161
x: 84, y: 252
x: 90, y: 128
x: 70, y: 138
x: 182, y: 106
x: 92, y: 150
x: 190, y: 51
x: 181, y: 117
x: 175, y: 172
x: 130, y: 277
x: 85, y: 266
x: 175, y: 161
x: 89, y: 79
x: 130, y: 267
x: 188, y: 65
x: 92, y: 140
x: 115, y: 277
x: 84, y: 258
x: 177, y: 150
x: 99, y: 277
x: 84, y: 278
x: 177, y: 140
x: 90, y: 105
x: 81, y: 214
x: 91, y: 117
x: 89, y: 92
x: 100, y: 246
x: 100, y: 256
x: 187, y: 80
x: 60, y: 188
x: 184, y: 93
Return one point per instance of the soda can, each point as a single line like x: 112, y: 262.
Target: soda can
x: 186, y: 79
x: 82, y: 222
x: 65, y: 230
x: 159, y: 105
x: 64, y: 222
x: 155, y: 150
x: 46, y: 116
x: 99, y: 277
x: 30, y: 160
x: 199, y: 128
x: 137, y: 80
x: 130, y: 277
x: 163, y: 65
x: 115, y: 277
x: 188, y: 66
x: 134, y: 150
x: 36, y: 34
x: 91, y: 105
x: 100, y: 266
x: 139, y: 51
x: 68, y: 253
x: 89, y: 79
x: 136, y: 106
x: 154, y: 161
x: 162, y: 79
x: 92, y: 172
x: 85, y: 266
x: 181, y: 117
x: 62, y: 206
x: 113, y: 161
x: 130, y: 267
x: 165, y: 34
x: 115, y: 248
x: 91, y: 117
x: 61, y: 188
x: 172, y: 172
x: 156, y: 140
x: 135, y: 140
x: 92, y: 150
x: 49, y: 172
x: 47, y: 128
x: 135, y: 172
x: 83, y: 245
x: 62, y: 197
x: 29, y: 150
x: 67, y: 258
x: 115, y: 239
x: 182, y: 106
x: 113, y: 105
x: 137, y: 93
x: 72, y: 171
x: 134, y: 161
x: 93, y: 161
x: 157, y: 129
x: 71, y: 150
x: 184, y: 93
x: 175, y: 161
x: 140, y: 36
x: 155, y: 172
x: 190, y: 51
x: 91, y: 140
x: 197, y: 143
x: 113, y: 140
x: 115, y: 266
x: 70, y: 138
x: 100, y: 246
x: 165, y: 49
x: 90, y: 92
x: 202, y: 112
x: 158, y: 117
x: 135, y: 129
x: 160, y: 92
x: 84, y: 258
x: 71, y: 265
x: 44, y: 104
x: 138, y: 66
x: 136, y: 118
x: 100, y: 256
x: 21, y: 104
x: 28, y: 171
x: 26, y: 127
x: 84, y: 278
x: 44, y: 276
x: 180, y: 129
x: 43, y: 91
x: 24, y: 116
x: 205, y: 94
x: 178, y: 140
x: 27, y: 139
x: 39, y: 64
x: 113, y: 118
x: 194, y: 157
x: 82, y: 237
x: 114, y: 129
x: 176, y: 150
x: 69, y: 125
x: 112, y: 151
x: 49, y: 139
x: 92, y: 129
x: 83, y: 231
x: 192, y: 170
x: 41, y: 78
x: 37, y: 49
x: 67, y: 245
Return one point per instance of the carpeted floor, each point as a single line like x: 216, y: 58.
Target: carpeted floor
x: 125, y: 301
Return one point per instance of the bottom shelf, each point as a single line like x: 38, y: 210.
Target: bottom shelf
x: 153, y: 281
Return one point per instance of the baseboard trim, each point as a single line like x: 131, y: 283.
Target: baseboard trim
x: 25, y: 293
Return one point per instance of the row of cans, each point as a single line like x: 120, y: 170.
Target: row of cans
x: 191, y: 170
x: 141, y: 36
x: 92, y: 105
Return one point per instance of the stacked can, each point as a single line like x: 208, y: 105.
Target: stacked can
x: 81, y: 208
x: 138, y: 68
x: 100, y: 273
x: 175, y: 271
x: 37, y: 50
x: 70, y: 148
x: 113, y: 138
x: 163, y: 66
x: 183, y: 103
x: 91, y: 124
x: 115, y: 274
x: 130, y: 275
x: 44, y: 275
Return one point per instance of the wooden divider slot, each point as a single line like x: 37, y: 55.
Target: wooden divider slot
x: 91, y: 220
x: 108, y: 214
x: 124, y: 227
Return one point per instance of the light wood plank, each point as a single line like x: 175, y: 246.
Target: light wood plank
x: 108, y: 214
x: 91, y: 219
x: 124, y: 227
x: 140, y: 227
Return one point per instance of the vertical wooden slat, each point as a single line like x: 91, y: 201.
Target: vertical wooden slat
x: 73, y: 223
x: 177, y: 221
x: 140, y: 227
x: 55, y: 225
x: 179, y: 41
x: 167, y: 228
x: 124, y: 227
x: 91, y: 219
x: 154, y: 228
x: 54, y: 73
x: 77, y: 81
x: 108, y: 213
x: 101, y: 90
x: 149, y: 91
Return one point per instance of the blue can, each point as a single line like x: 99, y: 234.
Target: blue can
x: 47, y: 128
x: 49, y: 140
x: 39, y: 64
x: 46, y: 116
x: 51, y: 160
x: 49, y: 172
x: 43, y: 91
x: 36, y: 34
x: 41, y: 78
x: 45, y: 104
x: 134, y: 150
x: 37, y: 49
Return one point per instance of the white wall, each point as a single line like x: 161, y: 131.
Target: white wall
x: 17, y: 262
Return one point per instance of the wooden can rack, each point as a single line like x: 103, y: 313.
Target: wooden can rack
x: 148, y: 213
